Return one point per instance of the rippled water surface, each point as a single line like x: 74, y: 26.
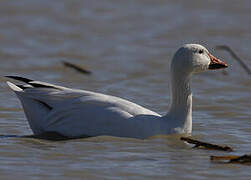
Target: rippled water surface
x: 128, y: 46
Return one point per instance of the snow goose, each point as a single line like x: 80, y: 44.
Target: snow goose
x: 76, y: 113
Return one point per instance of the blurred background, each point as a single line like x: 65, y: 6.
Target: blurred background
x: 128, y: 46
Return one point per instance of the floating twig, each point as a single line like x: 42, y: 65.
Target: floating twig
x: 204, y: 145
x: 244, y: 159
x: 222, y: 158
x: 234, y: 55
x: 76, y: 67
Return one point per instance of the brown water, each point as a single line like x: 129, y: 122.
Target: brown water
x: 127, y: 45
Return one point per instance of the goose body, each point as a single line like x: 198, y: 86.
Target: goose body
x: 76, y: 113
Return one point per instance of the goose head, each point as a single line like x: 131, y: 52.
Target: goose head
x: 194, y: 58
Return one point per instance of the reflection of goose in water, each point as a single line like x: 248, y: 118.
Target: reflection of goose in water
x: 75, y: 113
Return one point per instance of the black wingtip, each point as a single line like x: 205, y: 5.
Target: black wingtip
x: 30, y: 82
x: 20, y: 78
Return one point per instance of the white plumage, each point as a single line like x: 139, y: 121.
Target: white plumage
x: 76, y: 113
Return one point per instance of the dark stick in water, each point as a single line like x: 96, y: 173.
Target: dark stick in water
x: 76, y: 67
x: 244, y: 159
x: 234, y: 55
x: 204, y: 145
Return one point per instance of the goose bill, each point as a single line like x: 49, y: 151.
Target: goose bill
x: 215, y: 63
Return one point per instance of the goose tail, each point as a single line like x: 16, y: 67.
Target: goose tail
x: 35, y: 110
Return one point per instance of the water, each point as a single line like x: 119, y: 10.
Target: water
x: 127, y: 45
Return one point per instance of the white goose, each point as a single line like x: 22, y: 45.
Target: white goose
x: 76, y: 113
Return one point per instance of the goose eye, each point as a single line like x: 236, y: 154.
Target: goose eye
x: 201, y: 51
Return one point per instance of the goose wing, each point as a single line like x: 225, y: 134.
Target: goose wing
x: 54, y: 96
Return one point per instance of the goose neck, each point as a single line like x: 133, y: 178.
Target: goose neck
x: 180, y: 91
x: 180, y: 112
